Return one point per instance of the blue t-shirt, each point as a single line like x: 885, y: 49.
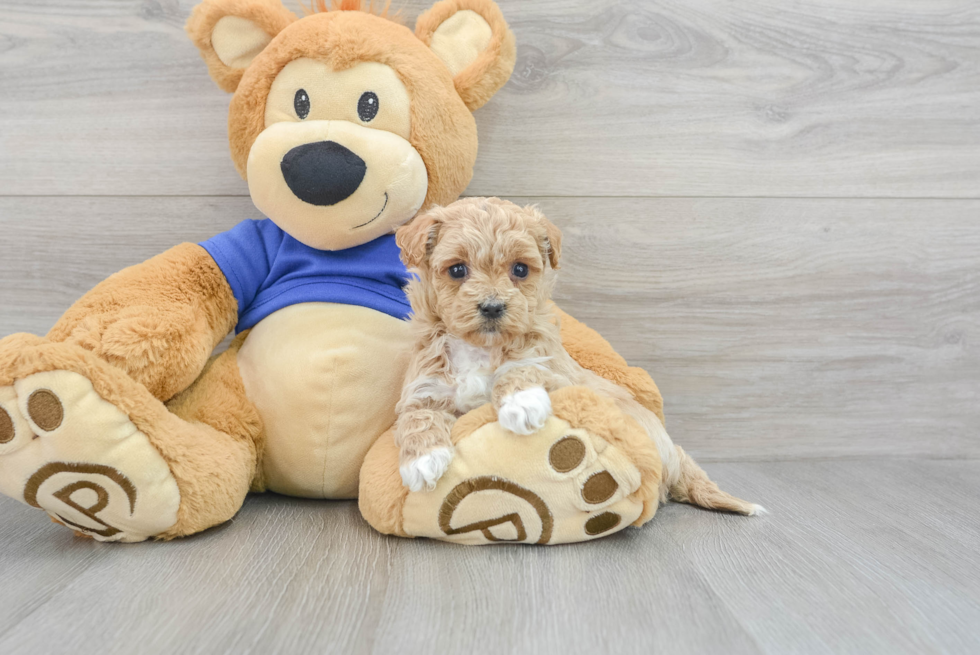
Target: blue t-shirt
x: 268, y: 270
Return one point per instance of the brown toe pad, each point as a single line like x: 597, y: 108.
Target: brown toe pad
x: 7, y: 433
x: 45, y: 410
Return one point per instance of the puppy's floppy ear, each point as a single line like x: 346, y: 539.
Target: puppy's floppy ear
x: 553, y: 239
x: 550, y: 238
x: 473, y: 40
x: 230, y: 33
x: 417, y: 238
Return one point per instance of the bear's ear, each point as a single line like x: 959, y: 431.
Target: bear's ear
x: 473, y: 40
x: 230, y: 33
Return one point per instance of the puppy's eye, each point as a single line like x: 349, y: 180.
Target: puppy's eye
x: 301, y: 103
x: 520, y: 270
x: 457, y: 271
x: 367, y: 106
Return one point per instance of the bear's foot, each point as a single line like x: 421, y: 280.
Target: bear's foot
x: 587, y: 473
x: 68, y: 450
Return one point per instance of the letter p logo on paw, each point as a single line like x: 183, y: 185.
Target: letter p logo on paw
x: 78, y: 493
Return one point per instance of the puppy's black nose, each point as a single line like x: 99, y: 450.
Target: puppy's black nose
x: 322, y: 173
x: 492, y: 309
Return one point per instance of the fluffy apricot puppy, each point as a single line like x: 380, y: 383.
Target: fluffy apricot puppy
x: 486, y: 331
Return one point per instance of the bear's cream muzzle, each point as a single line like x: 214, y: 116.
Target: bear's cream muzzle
x: 333, y: 184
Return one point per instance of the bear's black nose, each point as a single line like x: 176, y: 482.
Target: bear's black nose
x: 322, y: 173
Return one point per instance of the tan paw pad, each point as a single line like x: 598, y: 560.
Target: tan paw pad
x: 558, y: 485
x: 82, y: 460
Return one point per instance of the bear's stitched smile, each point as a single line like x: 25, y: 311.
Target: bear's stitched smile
x: 376, y: 216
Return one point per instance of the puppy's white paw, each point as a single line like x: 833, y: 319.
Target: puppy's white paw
x: 525, y: 412
x: 424, y: 471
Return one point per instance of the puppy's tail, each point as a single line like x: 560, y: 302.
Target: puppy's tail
x: 693, y: 486
x: 683, y: 480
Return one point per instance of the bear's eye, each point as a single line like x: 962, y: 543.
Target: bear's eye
x: 457, y: 271
x: 367, y: 106
x: 301, y: 103
x: 520, y: 270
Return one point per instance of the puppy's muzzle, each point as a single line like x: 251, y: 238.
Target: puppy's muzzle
x: 492, y: 310
x: 322, y: 173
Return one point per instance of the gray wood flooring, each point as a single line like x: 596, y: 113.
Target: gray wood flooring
x: 772, y: 206
x: 887, y: 566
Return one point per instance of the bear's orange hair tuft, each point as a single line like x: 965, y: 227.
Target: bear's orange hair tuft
x: 367, y: 6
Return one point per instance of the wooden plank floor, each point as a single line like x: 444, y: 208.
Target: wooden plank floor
x: 772, y: 206
x: 888, y: 567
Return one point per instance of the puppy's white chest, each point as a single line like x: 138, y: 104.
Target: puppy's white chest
x: 472, y: 375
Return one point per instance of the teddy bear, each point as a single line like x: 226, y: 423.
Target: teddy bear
x: 123, y: 425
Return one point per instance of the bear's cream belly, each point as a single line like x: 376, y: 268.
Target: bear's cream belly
x: 325, y: 378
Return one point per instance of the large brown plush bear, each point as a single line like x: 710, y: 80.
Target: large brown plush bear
x: 122, y: 426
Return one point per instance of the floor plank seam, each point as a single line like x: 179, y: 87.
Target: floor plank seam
x: 528, y: 195
x: 840, y: 458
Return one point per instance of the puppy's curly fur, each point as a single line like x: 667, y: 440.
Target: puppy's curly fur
x: 486, y: 332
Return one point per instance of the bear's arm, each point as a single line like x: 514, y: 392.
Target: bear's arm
x: 159, y: 320
x: 591, y: 351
